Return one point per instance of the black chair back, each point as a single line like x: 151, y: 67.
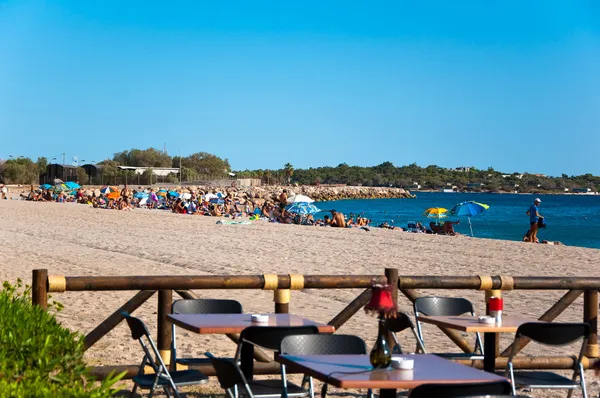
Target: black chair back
x: 438, y: 306
x: 555, y: 334
x: 323, y: 344
x: 461, y: 390
x: 270, y: 337
x: 227, y: 373
x: 401, y: 322
x: 136, y: 326
x: 206, y: 306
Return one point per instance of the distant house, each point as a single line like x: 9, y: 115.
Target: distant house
x: 58, y: 171
x: 474, y: 185
x: 94, y: 172
x: 581, y: 190
x: 463, y: 169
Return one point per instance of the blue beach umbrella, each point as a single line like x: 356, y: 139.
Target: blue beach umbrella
x: 302, y: 208
x: 140, y: 195
x: 72, y: 185
x: 174, y: 194
x: 45, y: 186
x: 469, y: 209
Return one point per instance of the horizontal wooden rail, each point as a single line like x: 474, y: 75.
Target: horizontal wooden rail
x: 180, y: 282
x: 498, y: 282
x: 185, y: 282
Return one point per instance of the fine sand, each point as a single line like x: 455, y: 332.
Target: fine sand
x: 75, y: 240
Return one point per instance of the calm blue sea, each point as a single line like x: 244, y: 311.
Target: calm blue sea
x: 571, y: 219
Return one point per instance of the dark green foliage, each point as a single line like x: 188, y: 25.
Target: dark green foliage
x: 39, y: 357
x: 430, y: 177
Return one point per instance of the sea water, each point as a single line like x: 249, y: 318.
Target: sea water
x: 571, y: 219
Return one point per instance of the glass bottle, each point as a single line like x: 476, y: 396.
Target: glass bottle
x: 381, y: 355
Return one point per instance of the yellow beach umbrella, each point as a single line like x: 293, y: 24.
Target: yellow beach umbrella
x: 436, y: 213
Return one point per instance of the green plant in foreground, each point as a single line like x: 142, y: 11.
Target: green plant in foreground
x: 38, y: 356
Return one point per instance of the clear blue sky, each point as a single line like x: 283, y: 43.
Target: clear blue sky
x: 511, y: 84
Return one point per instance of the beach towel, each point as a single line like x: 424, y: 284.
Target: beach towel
x: 225, y: 222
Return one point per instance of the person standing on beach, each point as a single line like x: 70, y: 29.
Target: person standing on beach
x: 534, y: 217
x: 3, y: 191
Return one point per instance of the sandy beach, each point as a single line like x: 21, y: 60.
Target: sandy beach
x: 70, y: 239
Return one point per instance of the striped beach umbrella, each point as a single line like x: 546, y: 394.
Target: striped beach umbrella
x: 303, y: 208
x: 436, y: 213
x: 105, y: 190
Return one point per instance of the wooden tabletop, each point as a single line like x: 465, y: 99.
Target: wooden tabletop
x: 235, y: 323
x: 355, y: 371
x: 467, y: 323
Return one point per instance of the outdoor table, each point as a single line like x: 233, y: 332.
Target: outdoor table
x: 236, y: 323
x: 355, y: 371
x: 471, y: 324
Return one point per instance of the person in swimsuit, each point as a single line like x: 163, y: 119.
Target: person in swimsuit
x: 337, y: 219
x: 125, y: 195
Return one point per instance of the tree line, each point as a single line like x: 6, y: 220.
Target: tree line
x: 431, y: 177
x: 202, y: 166
x: 197, y: 166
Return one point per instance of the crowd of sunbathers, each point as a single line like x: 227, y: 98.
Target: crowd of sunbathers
x: 217, y: 204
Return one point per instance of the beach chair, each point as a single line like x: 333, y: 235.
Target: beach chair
x: 398, y: 324
x: 200, y: 306
x: 490, y: 390
x: 321, y: 344
x: 551, y: 334
x: 447, y: 306
x: 240, y: 372
x: 411, y: 226
x: 161, y: 378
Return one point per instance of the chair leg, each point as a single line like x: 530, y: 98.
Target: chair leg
x: 324, y: 390
x: 133, y: 390
x: 311, y: 387
x: 230, y: 394
x: 582, y: 381
x: 369, y: 393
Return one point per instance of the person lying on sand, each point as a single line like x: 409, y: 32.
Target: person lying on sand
x: 445, y: 229
x: 549, y: 242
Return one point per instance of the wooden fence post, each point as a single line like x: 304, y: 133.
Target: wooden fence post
x: 590, y: 316
x: 282, y: 300
x: 39, y: 285
x: 489, y: 336
x: 164, y: 337
x: 391, y: 274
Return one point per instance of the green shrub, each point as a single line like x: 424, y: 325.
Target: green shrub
x: 38, y: 356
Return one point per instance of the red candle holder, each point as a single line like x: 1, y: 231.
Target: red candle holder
x: 496, y: 304
x: 382, y: 302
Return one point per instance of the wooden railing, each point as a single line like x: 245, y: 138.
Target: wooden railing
x: 282, y: 285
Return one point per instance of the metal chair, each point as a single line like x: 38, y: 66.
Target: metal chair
x: 447, y: 306
x: 200, y: 306
x: 398, y: 324
x: 240, y: 372
x: 321, y: 344
x: 161, y: 377
x: 552, y: 334
x: 492, y: 389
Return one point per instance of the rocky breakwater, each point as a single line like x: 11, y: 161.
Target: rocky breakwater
x: 323, y: 193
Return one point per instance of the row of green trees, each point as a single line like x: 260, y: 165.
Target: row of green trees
x: 200, y: 165
x: 206, y: 166
x: 430, y: 177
